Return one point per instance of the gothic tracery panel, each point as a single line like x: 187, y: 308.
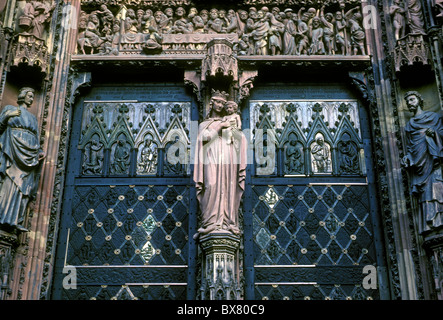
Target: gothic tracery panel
x: 315, y: 137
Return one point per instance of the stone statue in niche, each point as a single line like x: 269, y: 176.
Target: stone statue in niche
x: 20, y: 158
x: 348, y: 155
x: 415, y: 17
x: 220, y: 170
x: 148, y: 157
x: 293, y: 156
x: 398, y: 12
x: 120, y: 156
x: 424, y: 159
x: 93, y: 157
x: 321, y: 155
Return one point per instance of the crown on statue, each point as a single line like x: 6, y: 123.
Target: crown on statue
x: 220, y: 95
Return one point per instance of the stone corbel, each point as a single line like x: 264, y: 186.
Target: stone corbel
x: 360, y: 82
x: 245, y: 84
x: 80, y: 81
x: 193, y: 80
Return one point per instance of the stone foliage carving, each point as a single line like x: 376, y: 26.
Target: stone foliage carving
x: 424, y: 133
x: 20, y: 156
x: 321, y: 29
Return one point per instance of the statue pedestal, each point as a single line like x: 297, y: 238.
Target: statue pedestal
x: 220, y: 275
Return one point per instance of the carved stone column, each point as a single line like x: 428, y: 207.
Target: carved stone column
x: 220, y: 271
x: 434, y: 245
x: 8, y: 244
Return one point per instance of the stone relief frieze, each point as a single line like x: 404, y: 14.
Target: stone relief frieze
x: 287, y: 28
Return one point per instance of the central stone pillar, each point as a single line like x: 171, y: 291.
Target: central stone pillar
x: 220, y: 270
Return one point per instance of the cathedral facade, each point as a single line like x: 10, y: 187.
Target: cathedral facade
x: 221, y: 150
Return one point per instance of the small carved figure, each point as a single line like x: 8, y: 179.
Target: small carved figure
x: 20, y: 157
x: 424, y: 133
x: 357, y: 33
x: 340, y: 36
x: 260, y: 34
x: 148, y: 157
x: 316, y: 35
x: 301, y: 38
x: 328, y: 31
x: 294, y: 157
x: 233, y: 118
x: 397, y: 12
x: 348, y: 155
x: 93, y: 157
x: 321, y: 154
x: 35, y: 15
x: 415, y: 17
x: 289, y: 46
x: 120, y: 160
x: 214, y: 24
x: 196, y: 22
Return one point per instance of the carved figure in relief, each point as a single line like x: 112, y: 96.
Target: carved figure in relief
x: 234, y: 119
x: 397, y: 12
x: 340, y: 36
x: 415, y: 17
x: 93, y: 156
x: 20, y: 158
x: 328, y: 30
x: 321, y: 162
x: 424, y: 159
x: 215, y: 24
x: 196, y: 22
x: 120, y: 159
x: 348, y: 155
x: 316, y: 35
x: 35, y: 15
x: 301, y: 37
x: 260, y: 33
x: 357, y: 33
x: 294, y: 157
x: 220, y: 170
x: 289, y: 46
x: 148, y: 157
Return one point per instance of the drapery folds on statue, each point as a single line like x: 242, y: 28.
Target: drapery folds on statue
x: 424, y: 158
x: 20, y: 156
x: 220, y: 168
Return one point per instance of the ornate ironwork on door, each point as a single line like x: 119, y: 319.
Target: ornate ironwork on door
x: 128, y: 205
x: 312, y: 216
